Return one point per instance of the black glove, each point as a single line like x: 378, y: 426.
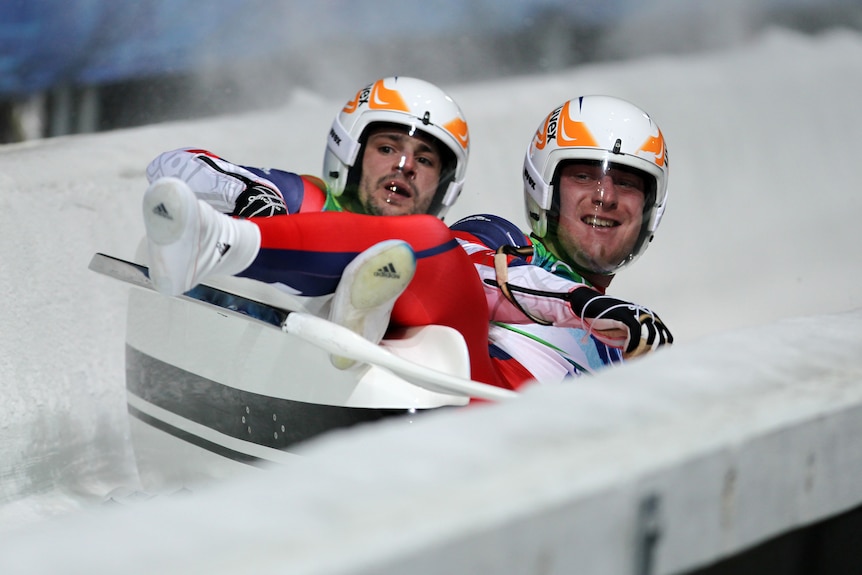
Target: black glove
x: 645, y: 330
x: 259, y: 200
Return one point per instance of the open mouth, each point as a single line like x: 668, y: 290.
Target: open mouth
x: 598, y: 222
x: 399, y: 188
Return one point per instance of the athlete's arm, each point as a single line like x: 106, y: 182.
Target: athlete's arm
x: 230, y: 188
x: 516, y: 290
x: 519, y: 292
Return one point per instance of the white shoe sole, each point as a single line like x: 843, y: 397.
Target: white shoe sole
x: 386, y: 270
x: 172, y: 222
x: 373, y: 281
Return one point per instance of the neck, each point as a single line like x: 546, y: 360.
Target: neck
x: 599, y: 281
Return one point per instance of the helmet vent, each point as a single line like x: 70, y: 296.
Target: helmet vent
x: 426, y: 119
x: 617, y: 146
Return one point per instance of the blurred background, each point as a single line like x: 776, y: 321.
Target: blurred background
x: 77, y: 66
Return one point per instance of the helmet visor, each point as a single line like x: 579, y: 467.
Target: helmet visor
x: 599, y: 213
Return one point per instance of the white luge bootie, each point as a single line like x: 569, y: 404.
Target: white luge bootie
x: 189, y: 241
x: 366, y: 294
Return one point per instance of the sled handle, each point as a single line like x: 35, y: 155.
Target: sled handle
x: 339, y: 340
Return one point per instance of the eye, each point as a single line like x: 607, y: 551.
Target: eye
x: 629, y: 182
x: 426, y: 161
x: 583, y: 177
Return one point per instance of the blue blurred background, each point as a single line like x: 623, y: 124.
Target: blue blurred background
x: 71, y: 66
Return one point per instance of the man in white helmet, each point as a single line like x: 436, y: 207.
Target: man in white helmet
x: 409, y: 106
x: 399, y: 147
x: 595, y: 188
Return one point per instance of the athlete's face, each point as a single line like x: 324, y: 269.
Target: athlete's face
x: 400, y: 173
x: 601, y: 213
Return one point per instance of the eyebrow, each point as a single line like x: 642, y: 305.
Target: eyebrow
x: 400, y: 137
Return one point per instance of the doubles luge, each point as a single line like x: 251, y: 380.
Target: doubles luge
x: 217, y: 380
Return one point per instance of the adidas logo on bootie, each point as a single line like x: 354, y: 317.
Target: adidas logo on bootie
x: 388, y: 271
x: 162, y: 211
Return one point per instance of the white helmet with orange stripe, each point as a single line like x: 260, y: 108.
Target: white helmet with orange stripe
x: 409, y: 102
x: 609, y: 133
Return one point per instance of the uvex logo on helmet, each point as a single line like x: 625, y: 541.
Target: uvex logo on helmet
x: 528, y: 179
x: 548, y: 130
x: 567, y: 132
x: 377, y: 97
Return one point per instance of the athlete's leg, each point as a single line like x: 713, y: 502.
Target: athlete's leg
x: 188, y: 240
x: 309, y: 251
x: 446, y: 290
x: 368, y: 290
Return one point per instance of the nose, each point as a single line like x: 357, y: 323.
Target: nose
x: 605, y: 193
x: 405, y: 164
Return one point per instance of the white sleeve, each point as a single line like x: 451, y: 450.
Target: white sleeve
x: 536, y: 290
x: 538, y: 294
x: 214, y: 180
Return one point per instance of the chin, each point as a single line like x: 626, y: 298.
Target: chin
x: 394, y: 211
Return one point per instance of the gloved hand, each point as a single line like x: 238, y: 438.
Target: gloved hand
x: 259, y: 200
x: 620, y: 323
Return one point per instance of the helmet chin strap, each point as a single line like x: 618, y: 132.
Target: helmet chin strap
x: 501, y: 267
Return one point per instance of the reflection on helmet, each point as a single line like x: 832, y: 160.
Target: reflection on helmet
x: 409, y: 102
x: 603, y: 129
